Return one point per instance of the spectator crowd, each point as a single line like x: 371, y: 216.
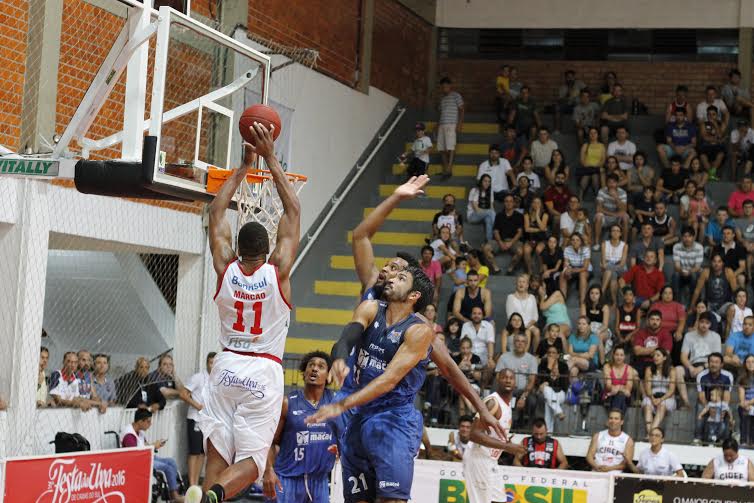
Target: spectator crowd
x: 631, y: 284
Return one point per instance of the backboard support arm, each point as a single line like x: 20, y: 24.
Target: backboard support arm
x: 136, y: 92
x: 117, y: 60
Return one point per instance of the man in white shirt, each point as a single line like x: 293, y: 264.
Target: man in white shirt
x: 622, y: 148
x: 192, y: 395
x: 541, y: 149
x: 568, y: 219
x: 482, y: 335
x: 711, y: 99
x: 499, y: 170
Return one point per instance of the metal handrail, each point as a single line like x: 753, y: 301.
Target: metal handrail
x: 336, y: 200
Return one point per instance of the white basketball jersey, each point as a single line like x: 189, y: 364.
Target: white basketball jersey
x: 506, y: 421
x: 737, y: 470
x: 254, y: 315
x: 610, y: 449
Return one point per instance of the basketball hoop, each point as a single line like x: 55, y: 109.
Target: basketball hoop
x: 257, y: 198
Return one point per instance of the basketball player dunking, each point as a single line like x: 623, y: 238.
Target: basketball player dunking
x: 244, y: 394
x: 373, y: 282
x: 384, y: 434
x: 480, y: 458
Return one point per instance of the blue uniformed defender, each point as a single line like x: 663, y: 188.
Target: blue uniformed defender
x: 384, y: 433
x: 300, y: 471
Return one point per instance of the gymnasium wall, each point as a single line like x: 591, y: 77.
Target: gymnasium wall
x: 332, y: 124
x: 330, y: 26
x: 14, y: 20
x: 652, y: 83
x: 401, y: 41
x: 401, y: 47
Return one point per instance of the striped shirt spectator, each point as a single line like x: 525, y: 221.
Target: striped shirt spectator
x: 449, y: 105
x: 688, y: 258
x: 576, y: 259
x: 609, y: 202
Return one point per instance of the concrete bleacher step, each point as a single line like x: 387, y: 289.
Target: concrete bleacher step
x: 341, y: 288
x: 466, y: 148
x: 302, y: 345
x: 400, y: 239
x: 346, y: 261
x: 323, y: 316
x: 408, y: 214
x: 459, y: 170
x: 431, y: 191
x: 470, y: 127
x: 678, y: 425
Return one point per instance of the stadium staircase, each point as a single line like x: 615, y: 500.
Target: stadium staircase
x: 325, y: 285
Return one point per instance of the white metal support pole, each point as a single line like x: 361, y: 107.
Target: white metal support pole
x: 136, y: 89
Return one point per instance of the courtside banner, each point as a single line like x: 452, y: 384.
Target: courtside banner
x: 636, y: 489
x: 113, y: 476
x: 443, y: 482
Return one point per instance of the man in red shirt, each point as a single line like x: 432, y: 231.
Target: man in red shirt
x: 646, y: 279
x: 737, y: 198
x: 649, y: 338
x: 556, y: 198
x: 432, y: 269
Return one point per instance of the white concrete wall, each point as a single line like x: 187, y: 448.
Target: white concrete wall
x: 594, y: 14
x: 37, y: 216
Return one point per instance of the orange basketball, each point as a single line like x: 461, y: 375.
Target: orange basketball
x: 263, y: 114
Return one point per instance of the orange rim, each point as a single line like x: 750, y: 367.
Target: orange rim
x: 217, y: 176
x: 293, y: 176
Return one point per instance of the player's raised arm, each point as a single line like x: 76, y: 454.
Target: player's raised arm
x: 361, y: 244
x: 351, y: 335
x: 220, y: 236
x: 289, y: 227
x: 455, y: 377
x: 414, y: 348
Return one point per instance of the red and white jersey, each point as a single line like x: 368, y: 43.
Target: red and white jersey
x: 505, y: 420
x: 254, y: 314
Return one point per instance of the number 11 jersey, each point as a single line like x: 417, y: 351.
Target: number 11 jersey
x: 254, y: 314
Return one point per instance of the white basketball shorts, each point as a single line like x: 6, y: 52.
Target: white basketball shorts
x: 242, y: 403
x: 477, y: 471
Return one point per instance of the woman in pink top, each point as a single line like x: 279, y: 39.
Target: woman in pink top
x: 619, y: 381
x: 673, y: 317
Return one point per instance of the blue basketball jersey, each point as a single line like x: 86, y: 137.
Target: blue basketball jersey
x: 378, y: 347
x: 370, y: 293
x: 303, y: 448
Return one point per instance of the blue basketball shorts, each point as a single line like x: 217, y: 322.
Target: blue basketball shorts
x: 378, y: 454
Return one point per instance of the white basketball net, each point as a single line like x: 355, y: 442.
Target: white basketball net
x: 258, y: 201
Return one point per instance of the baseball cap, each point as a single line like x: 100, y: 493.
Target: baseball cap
x: 420, y: 125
